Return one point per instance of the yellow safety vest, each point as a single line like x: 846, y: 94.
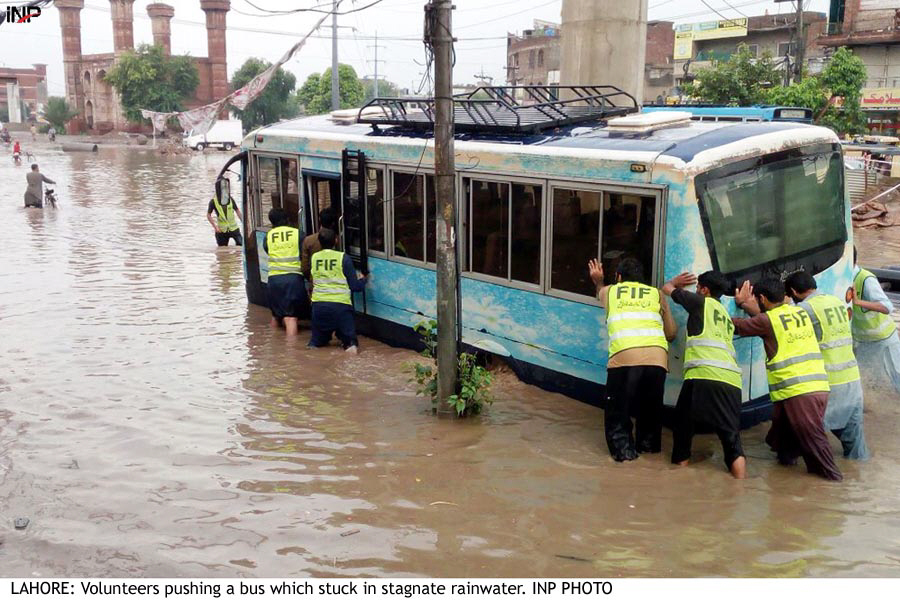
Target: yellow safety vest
x: 836, y: 342
x: 225, y: 215
x: 797, y: 368
x: 711, y: 355
x: 284, y: 251
x: 329, y: 283
x: 633, y: 319
x: 869, y: 325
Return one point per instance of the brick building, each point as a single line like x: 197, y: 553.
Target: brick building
x: 87, y: 91
x: 29, y: 85
x: 871, y: 28
x: 534, y: 56
x: 698, y: 45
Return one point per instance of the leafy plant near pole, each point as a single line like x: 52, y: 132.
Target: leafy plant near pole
x: 473, y: 395
x: 58, y: 113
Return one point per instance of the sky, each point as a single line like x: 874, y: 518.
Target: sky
x: 481, y: 27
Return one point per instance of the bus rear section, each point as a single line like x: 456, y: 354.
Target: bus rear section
x: 773, y: 215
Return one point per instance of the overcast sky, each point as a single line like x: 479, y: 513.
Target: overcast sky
x: 480, y: 25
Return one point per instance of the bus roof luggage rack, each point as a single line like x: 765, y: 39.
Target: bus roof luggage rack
x: 498, y: 110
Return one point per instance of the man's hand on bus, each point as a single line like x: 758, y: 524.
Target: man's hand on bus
x: 595, y: 268
x: 745, y: 299
x: 678, y: 282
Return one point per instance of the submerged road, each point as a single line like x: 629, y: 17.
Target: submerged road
x: 151, y: 424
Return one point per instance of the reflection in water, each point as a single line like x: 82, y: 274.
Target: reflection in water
x: 154, y: 425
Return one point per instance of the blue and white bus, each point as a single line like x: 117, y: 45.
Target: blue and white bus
x: 739, y: 114
x: 537, y: 202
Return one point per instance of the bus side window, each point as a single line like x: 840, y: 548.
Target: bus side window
x: 290, y: 190
x: 575, y: 238
x: 629, y: 224
x: 489, y: 219
x: 269, y: 188
x: 409, y: 215
x: 375, y: 208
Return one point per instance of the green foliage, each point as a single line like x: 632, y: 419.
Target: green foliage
x: 275, y: 103
x: 809, y: 93
x: 315, y: 94
x: 58, y: 113
x: 475, y: 381
x: 741, y: 80
x: 844, y: 78
x: 147, y: 78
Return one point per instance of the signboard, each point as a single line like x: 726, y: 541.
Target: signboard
x: 881, y: 98
x: 688, y: 33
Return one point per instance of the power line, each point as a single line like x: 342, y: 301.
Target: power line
x: 509, y: 15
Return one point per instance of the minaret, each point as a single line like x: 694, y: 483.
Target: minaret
x: 70, y: 23
x: 123, y: 25
x: 160, y: 18
x: 216, y: 10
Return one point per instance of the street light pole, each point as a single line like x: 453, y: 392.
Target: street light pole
x: 335, y: 82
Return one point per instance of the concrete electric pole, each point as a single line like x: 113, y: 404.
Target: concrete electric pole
x: 335, y: 80
x: 439, y: 36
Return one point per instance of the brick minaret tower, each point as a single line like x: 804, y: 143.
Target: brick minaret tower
x: 161, y: 17
x: 70, y: 23
x: 215, y: 31
x: 123, y: 25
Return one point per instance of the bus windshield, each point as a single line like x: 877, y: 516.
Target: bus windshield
x: 780, y: 207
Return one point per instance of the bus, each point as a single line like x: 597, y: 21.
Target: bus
x: 541, y: 190
x: 739, y: 114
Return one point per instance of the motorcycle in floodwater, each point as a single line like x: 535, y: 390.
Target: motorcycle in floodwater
x: 17, y: 158
x: 50, y: 198
x: 52, y: 137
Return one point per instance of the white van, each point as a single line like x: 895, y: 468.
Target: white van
x: 224, y: 134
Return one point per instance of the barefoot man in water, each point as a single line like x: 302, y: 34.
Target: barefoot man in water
x: 711, y: 393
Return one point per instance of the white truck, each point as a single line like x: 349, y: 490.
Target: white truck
x: 224, y: 134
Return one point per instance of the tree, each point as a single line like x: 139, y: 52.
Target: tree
x: 58, y: 113
x: 315, y: 95
x: 147, y: 78
x: 741, y: 80
x: 275, y: 103
x: 842, y: 79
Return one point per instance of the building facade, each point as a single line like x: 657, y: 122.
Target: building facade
x: 27, y: 88
x: 87, y: 91
x: 534, y: 57
x: 699, y: 45
x: 871, y: 28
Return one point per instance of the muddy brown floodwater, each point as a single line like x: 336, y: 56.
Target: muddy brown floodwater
x: 151, y: 424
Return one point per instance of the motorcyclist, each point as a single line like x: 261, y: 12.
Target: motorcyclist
x: 17, y: 151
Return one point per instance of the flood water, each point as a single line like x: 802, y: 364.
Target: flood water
x: 151, y: 424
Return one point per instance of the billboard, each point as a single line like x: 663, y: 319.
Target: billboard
x: 688, y: 33
x: 880, y: 98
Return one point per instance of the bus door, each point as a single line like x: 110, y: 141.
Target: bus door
x: 353, y: 221
x: 274, y: 184
x: 323, y: 190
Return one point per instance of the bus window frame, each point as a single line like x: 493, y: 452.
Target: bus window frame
x: 305, y: 174
x: 389, y: 241
x: 262, y: 223
x: 659, y: 194
x: 384, y: 210
x: 466, y: 209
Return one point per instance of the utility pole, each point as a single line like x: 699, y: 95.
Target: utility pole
x: 439, y: 35
x: 376, y: 61
x: 335, y: 81
x: 484, y: 79
x: 800, y: 59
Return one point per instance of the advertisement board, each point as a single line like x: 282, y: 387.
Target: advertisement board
x: 880, y: 98
x: 688, y: 33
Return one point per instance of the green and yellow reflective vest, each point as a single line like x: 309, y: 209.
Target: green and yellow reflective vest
x: 797, y: 367
x: 836, y: 341
x: 284, y: 251
x: 225, y: 215
x: 633, y: 317
x: 869, y: 325
x: 329, y: 283
x: 711, y: 355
